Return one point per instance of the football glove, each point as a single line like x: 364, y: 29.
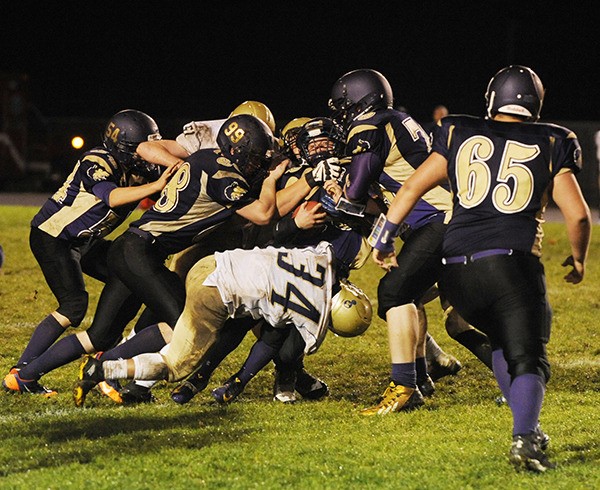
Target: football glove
x: 324, y: 170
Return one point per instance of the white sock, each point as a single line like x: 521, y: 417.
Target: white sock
x: 115, y: 369
x: 150, y: 367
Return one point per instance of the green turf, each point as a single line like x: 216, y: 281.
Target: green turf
x: 459, y: 440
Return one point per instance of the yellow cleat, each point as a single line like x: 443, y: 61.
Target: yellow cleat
x: 396, y: 398
x: 110, y: 391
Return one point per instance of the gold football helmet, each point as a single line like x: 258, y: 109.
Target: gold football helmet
x: 256, y: 109
x: 289, y: 133
x: 351, y: 311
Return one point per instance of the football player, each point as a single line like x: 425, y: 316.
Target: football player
x: 386, y: 147
x: 67, y: 234
x: 318, y: 139
x: 501, y: 170
x: 206, y: 190
x: 233, y: 284
x: 300, y: 138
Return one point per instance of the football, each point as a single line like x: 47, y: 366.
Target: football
x: 309, y: 206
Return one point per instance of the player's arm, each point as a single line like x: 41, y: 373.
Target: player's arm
x: 364, y: 169
x: 289, y: 197
x: 120, y: 196
x: 262, y: 211
x: 568, y: 197
x: 162, y: 152
x: 432, y: 172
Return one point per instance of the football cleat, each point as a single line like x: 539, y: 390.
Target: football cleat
x: 232, y: 388
x: 526, y: 453
x: 543, y: 438
x: 16, y: 368
x: 133, y: 393
x: 110, y: 388
x: 501, y: 400
x: 310, y: 387
x: 188, y: 389
x: 90, y: 374
x: 443, y: 365
x: 13, y: 383
x: 426, y: 386
x: 396, y: 398
x: 284, y: 386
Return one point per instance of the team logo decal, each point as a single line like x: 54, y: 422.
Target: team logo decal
x: 349, y: 303
x: 361, y: 147
x: 98, y: 173
x: 234, y: 192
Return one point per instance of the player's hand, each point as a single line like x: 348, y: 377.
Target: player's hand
x: 385, y: 260
x: 279, y: 170
x: 168, y: 172
x: 575, y: 275
x: 333, y: 189
x: 309, y: 216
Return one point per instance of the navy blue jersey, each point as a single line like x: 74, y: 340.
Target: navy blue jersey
x: 500, y: 173
x: 386, y: 147
x: 292, y: 175
x: 203, y: 193
x: 80, y: 209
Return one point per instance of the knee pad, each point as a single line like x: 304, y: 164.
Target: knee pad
x: 392, y: 291
x: 100, y: 341
x: 534, y: 365
x: 74, y: 306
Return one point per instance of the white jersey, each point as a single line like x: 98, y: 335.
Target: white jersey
x: 200, y: 135
x: 284, y: 286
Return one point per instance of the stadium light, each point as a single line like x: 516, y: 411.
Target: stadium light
x: 77, y: 142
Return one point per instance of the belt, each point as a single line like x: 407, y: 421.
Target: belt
x: 464, y: 259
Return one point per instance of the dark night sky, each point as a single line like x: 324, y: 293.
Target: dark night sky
x: 198, y: 60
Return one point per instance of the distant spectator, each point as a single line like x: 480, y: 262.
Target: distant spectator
x: 439, y: 111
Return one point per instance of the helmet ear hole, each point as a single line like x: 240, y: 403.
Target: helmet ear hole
x: 351, y: 311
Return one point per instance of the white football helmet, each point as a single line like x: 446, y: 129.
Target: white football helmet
x: 351, y: 311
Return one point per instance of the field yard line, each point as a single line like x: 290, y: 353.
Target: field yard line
x: 578, y: 363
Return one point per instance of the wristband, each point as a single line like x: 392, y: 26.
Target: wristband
x: 310, y: 179
x: 383, y: 234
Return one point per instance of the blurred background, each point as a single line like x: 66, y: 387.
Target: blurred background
x: 66, y: 67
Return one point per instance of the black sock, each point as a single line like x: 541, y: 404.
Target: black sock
x: 260, y: 355
x: 478, y: 344
x: 44, y: 335
x: 150, y: 339
x: 421, y: 367
x: 229, y: 338
x: 62, y: 352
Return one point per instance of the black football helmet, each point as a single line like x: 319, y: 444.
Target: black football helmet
x: 515, y: 90
x: 248, y: 142
x: 320, y: 138
x: 358, y: 92
x: 125, y: 131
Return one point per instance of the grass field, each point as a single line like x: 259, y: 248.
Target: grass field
x: 459, y: 440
